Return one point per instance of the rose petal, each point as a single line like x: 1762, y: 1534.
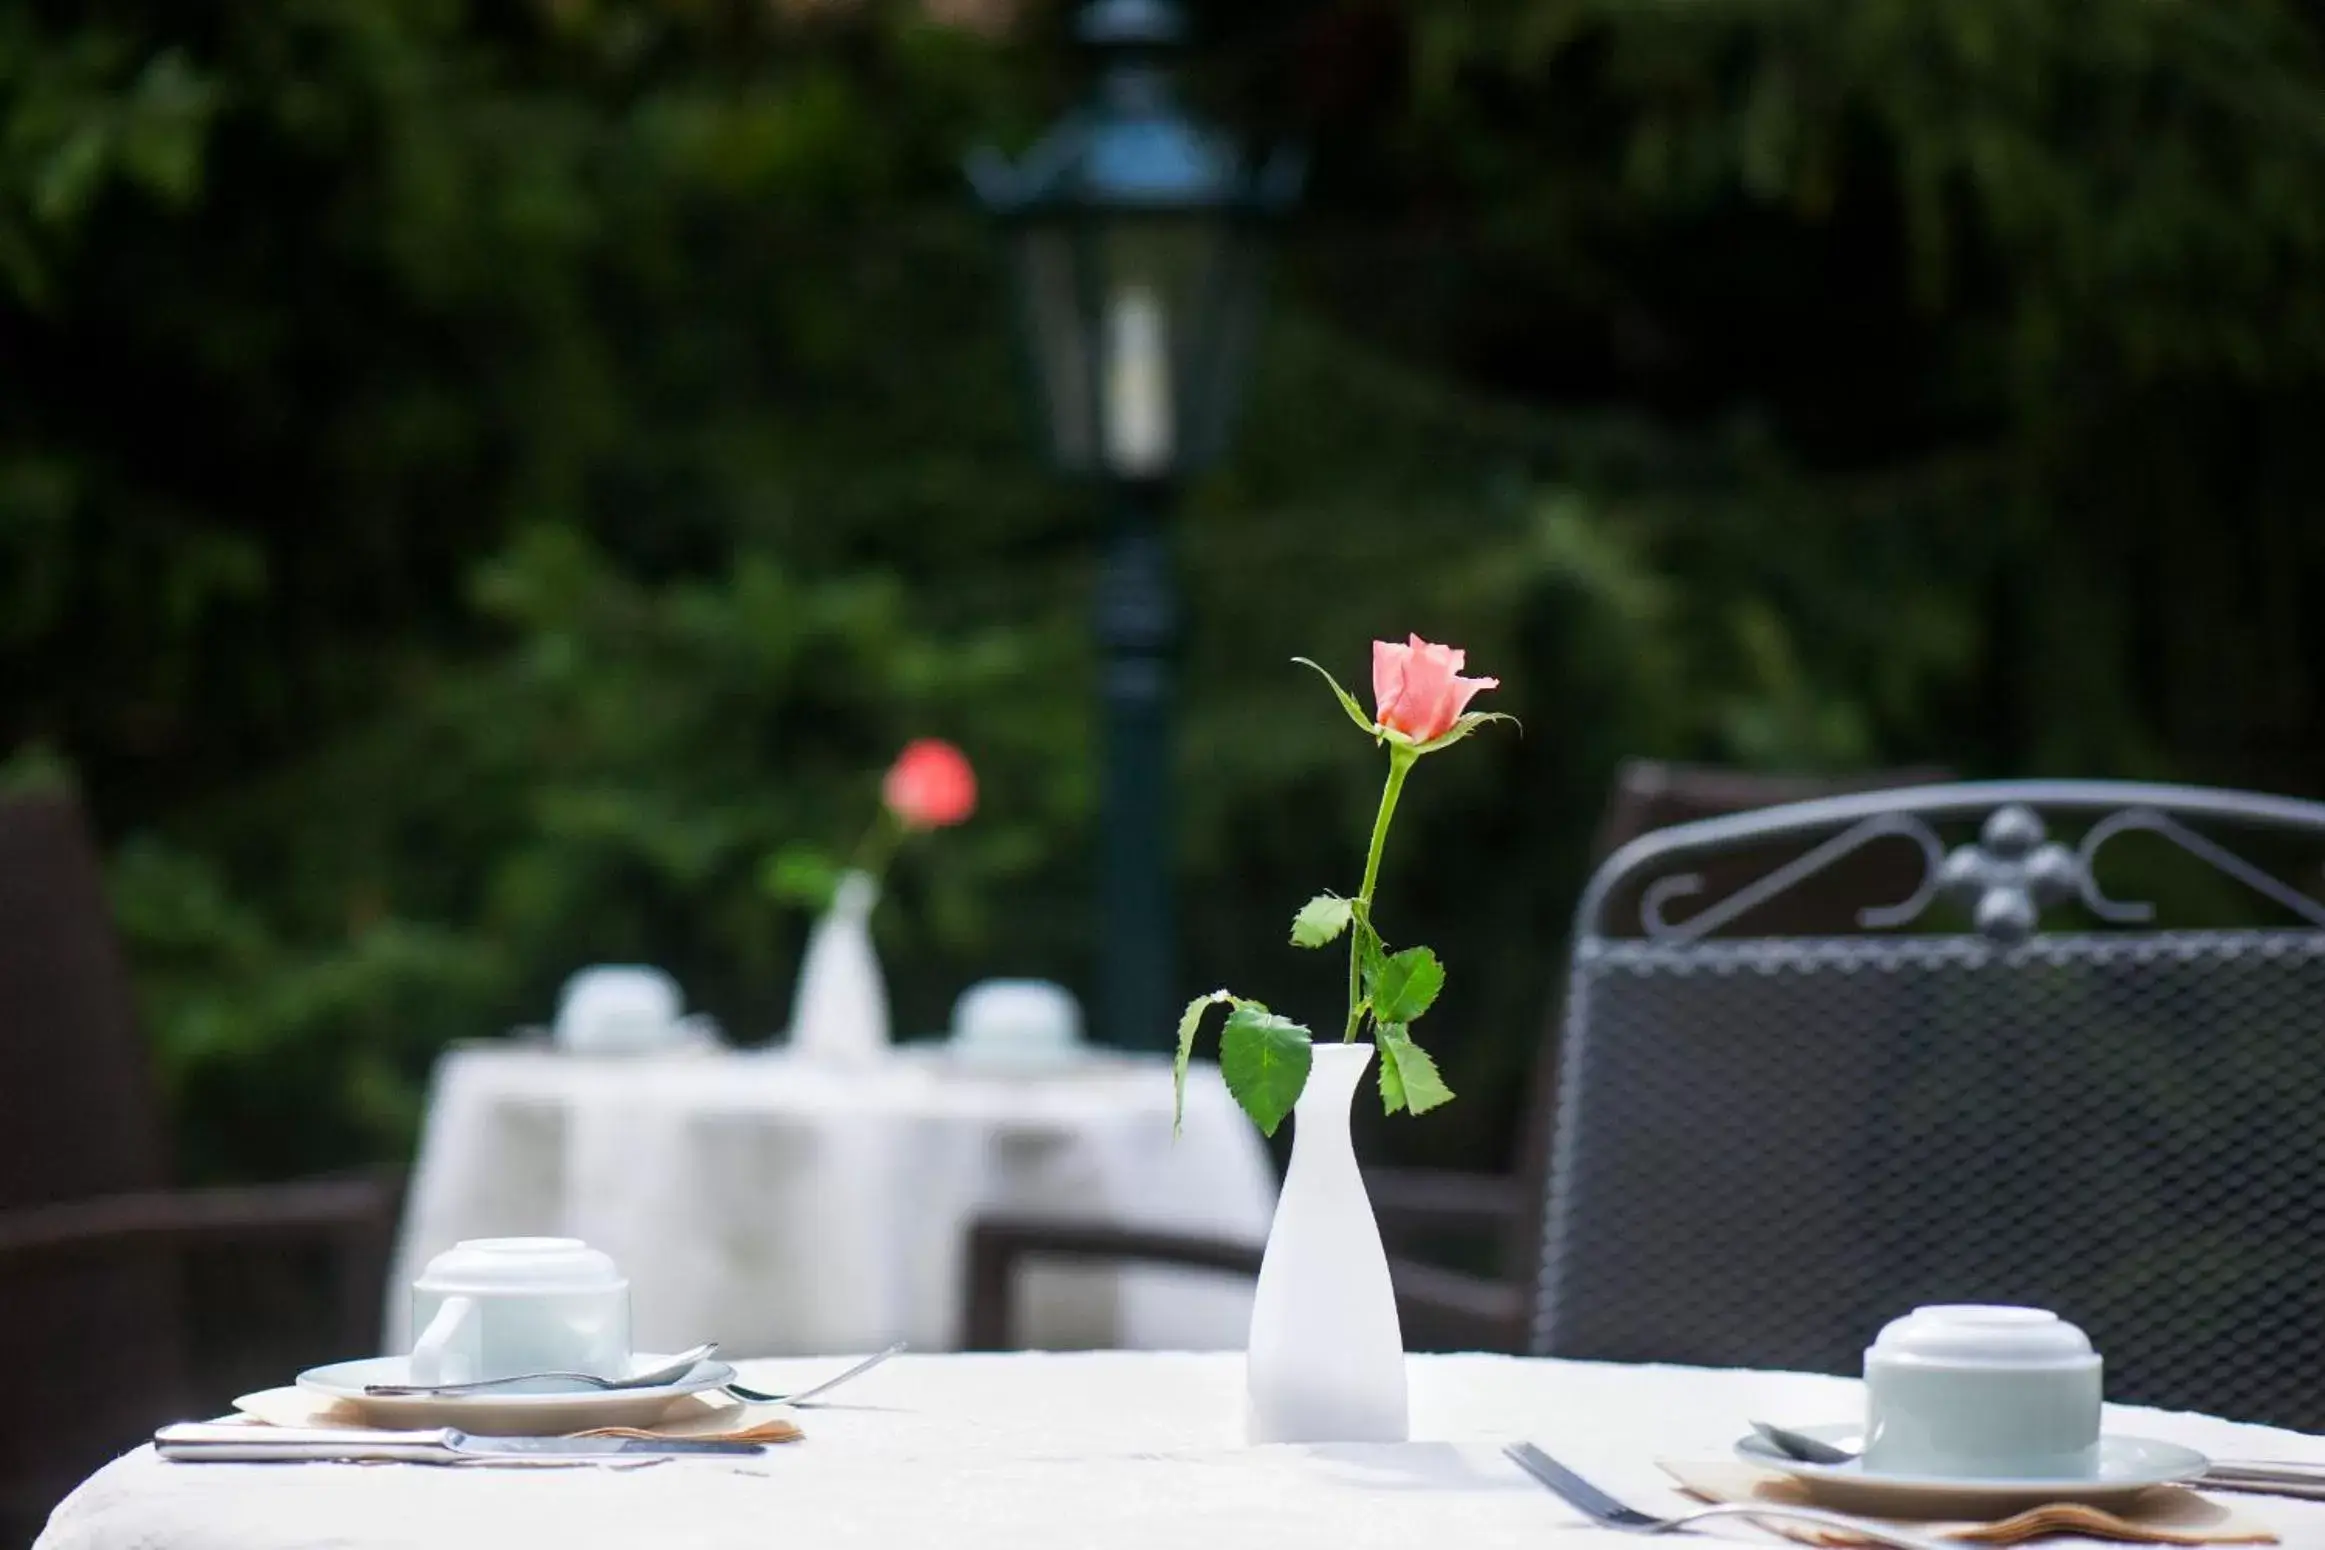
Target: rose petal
x: 931, y: 785
x: 1388, y: 677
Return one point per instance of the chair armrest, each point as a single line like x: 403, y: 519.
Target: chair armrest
x: 1445, y: 1310
x: 998, y: 1245
x: 311, y: 1210
x: 1440, y: 1200
x: 1438, y: 1309
x: 354, y: 1217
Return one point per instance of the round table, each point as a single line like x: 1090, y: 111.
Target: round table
x: 780, y: 1206
x: 1032, y: 1451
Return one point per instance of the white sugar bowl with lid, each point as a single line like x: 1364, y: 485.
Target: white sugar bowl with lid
x: 1972, y: 1391
x: 626, y: 1009
x: 503, y: 1307
x: 1017, y: 1025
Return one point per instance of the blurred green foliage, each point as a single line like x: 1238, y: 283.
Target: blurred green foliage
x: 478, y: 478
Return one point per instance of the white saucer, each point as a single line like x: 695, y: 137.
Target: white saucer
x: 501, y: 1413
x: 2127, y: 1466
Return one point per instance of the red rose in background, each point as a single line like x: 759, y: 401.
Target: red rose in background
x: 930, y: 786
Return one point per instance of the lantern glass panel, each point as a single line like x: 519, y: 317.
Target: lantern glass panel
x: 1138, y: 325
x: 1213, y: 382
x: 1053, y: 290
x: 1146, y: 305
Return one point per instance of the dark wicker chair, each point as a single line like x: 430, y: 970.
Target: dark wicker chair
x: 1770, y: 1143
x: 1421, y: 1210
x: 94, y: 1316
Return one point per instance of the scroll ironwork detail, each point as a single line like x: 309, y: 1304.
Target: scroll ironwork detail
x: 1874, y: 917
x: 2006, y: 878
x: 2221, y: 859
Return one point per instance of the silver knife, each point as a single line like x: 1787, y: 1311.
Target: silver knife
x: 2301, y: 1482
x: 2288, y: 1487
x: 203, y: 1442
x: 2304, y: 1468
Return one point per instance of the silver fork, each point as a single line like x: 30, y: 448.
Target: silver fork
x: 1606, y: 1511
x: 825, y: 1387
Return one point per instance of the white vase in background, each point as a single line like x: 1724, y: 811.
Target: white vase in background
x: 839, y: 1012
x: 1327, y: 1360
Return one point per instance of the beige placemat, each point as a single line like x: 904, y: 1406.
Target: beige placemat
x: 708, y: 1417
x: 2167, y: 1515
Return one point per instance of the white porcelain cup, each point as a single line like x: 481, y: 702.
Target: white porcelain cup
x: 1016, y: 1023
x: 502, y: 1307
x: 1970, y: 1391
x: 622, y: 1008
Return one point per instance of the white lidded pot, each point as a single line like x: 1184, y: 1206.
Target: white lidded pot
x: 622, y: 1008
x: 503, y: 1307
x: 1016, y: 1023
x: 1977, y: 1391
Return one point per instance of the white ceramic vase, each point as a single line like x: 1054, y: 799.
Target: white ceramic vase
x: 839, y: 1011
x: 1327, y: 1360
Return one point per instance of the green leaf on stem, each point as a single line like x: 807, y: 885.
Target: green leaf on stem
x: 1265, y: 1059
x: 1189, y: 1021
x: 1320, y: 920
x: 1408, y: 1077
x: 800, y: 874
x: 1347, y: 701
x: 1406, y: 985
x: 1461, y: 729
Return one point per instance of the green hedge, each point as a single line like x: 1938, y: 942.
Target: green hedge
x: 476, y: 477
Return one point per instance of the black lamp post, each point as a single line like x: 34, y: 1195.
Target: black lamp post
x: 1134, y: 240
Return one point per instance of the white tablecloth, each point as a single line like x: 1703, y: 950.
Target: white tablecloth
x: 778, y: 1206
x: 1107, y: 1451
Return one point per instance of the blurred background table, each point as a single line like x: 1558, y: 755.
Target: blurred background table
x: 780, y: 1206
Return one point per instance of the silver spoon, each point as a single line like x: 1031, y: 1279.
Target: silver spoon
x: 825, y: 1387
x: 1801, y: 1446
x: 669, y: 1372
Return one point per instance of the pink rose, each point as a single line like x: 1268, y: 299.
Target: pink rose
x: 1417, y: 689
x: 930, y: 786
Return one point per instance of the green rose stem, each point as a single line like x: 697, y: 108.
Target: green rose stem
x: 879, y: 846
x: 1264, y: 1058
x: 1401, y: 759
